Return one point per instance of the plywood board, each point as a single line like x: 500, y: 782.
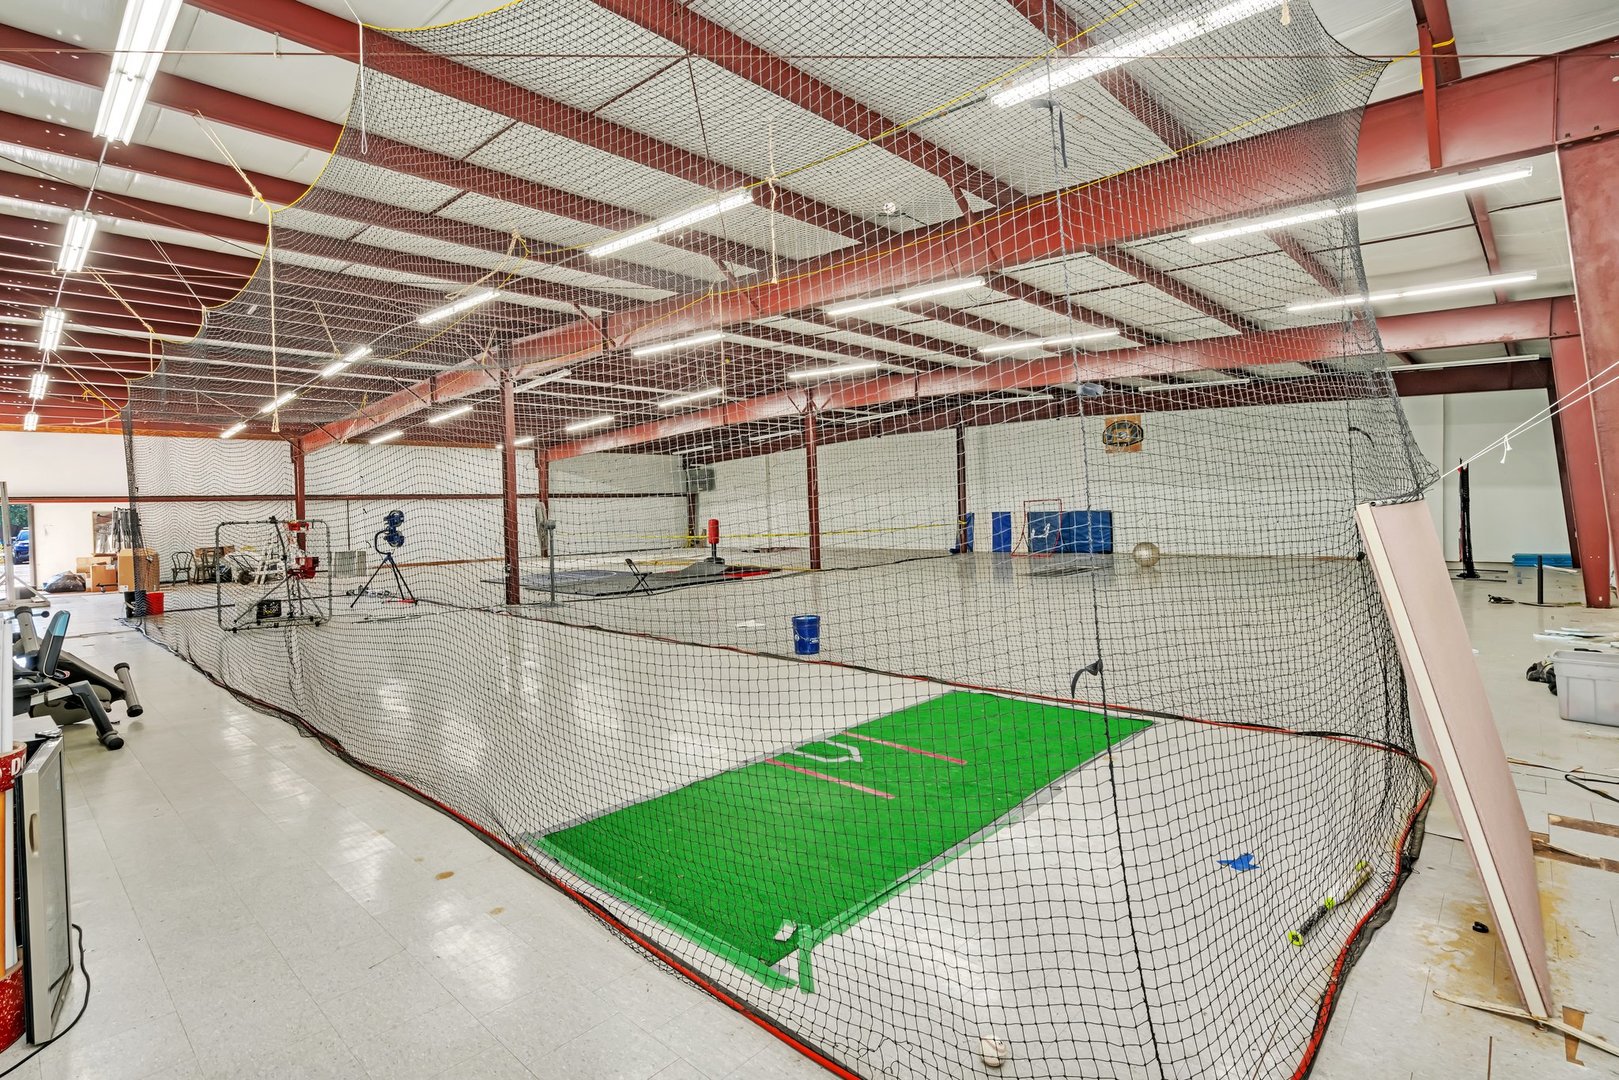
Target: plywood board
x: 1449, y: 706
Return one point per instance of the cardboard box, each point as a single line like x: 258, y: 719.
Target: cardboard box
x: 103, y: 576
x: 82, y: 565
x: 138, y: 568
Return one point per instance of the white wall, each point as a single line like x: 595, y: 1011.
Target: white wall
x: 1517, y: 503
x: 36, y: 464
x: 1251, y: 481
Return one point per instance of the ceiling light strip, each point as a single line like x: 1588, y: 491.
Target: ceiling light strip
x: 910, y: 296
x: 672, y: 224
x: 1414, y: 292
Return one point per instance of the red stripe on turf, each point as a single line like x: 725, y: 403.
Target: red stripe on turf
x: 907, y: 749
x: 833, y: 779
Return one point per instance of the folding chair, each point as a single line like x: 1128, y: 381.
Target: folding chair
x: 640, y: 579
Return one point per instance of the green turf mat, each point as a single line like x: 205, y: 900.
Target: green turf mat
x: 820, y: 834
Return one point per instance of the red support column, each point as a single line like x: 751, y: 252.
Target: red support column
x: 812, y: 486
x: 508, y: 485
x: 1591, y: 200
x: 299, y: 503
x: 1583, y: 448
x: 961, y: 487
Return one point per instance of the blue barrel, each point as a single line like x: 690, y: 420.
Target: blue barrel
x: 806, y: 634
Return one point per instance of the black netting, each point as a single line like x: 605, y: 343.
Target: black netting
x: 1094, y: 634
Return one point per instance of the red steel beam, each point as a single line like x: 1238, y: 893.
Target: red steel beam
x: 682, y: 25
x: 1309, y: 262
x: 390, y: 56
x: 128, y: 208
x: 1433, y: 17
x: 1430, y: 96
x: 82, y: 146
x: 1505, y: 114
x: 1591, y: 199
x: 46, y: 55
x: 1586, y: 459
x: 1464, y: 326
x: 1486, y: 237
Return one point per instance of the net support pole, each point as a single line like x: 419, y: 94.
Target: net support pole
x: 812, y: 486
x: 1592, y: 202
x: 542, y: 469
x: 508, y: 485
x: 300, y: 501
x: 961, y: 487
x: 1584, y: 470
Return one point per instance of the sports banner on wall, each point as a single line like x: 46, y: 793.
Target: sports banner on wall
x: 1123, y: 435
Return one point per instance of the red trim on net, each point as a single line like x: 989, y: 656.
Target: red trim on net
x: 702, y: 982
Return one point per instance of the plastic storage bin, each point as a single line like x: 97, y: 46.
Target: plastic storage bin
x: 1587, y: 686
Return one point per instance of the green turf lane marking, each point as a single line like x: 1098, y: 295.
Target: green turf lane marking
x: 820, y: 834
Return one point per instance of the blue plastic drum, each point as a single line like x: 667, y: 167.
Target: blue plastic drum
x: 806, y: 634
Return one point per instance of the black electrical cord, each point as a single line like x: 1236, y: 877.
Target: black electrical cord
x: 83, y: 1005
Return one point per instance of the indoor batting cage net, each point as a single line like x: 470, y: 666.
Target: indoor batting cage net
x: 860, y: 495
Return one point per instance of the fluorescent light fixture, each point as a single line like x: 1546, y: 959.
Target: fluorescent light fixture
x: 866, y: 418
x: 338, y: 365
x: 672, y: 224
x: 524, y: 441
x: 1465, y: 183
x: 141, y: 37
x: 451, y: 414
x: 1436, y: 365
x: 276, y: 403
x: 51, y: 323
x: 30, y: 421
x: 548, y: 377
x: 1377, y: 202
x: 37, y: 384
x: 81, y: 229
x: 832, y: 372
x: 387, y: 436
x: 1046, y: 343
x: 593, y: 422
x: 234, y: 430
x: 1205, y: 384
x: 910, y: 296
x: 466, y: 303
x: 694, y: 450
x: 1122, y: 50
x: 774, y: 438
x: 1016, y: 399
x: 693, y: 342
x: 687, y: 399
x: 1497, y: 281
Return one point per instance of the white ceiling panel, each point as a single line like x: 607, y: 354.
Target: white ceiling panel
x: 44, y: 97
x: 183, y: 133
x: 300, y: 220
x: 1424, y: 260
x: 91, y: 23
x: 1532, y: 238
x: 209, y: 48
